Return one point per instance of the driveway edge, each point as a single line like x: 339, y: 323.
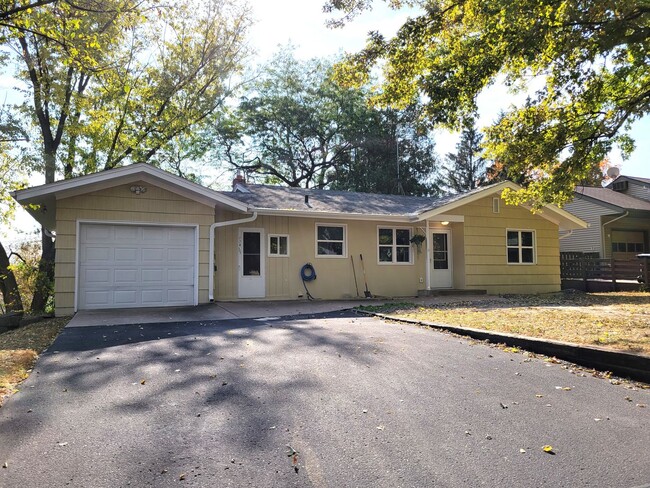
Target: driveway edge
x: 624, y: 364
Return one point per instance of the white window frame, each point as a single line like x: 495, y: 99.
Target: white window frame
x: 520, y: 247
x: 395, y: 246
x: 278, y: 254
x: 496, y: 205
x: 345, y: 240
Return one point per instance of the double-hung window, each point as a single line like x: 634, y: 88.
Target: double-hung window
x: 394, y: 245
x: 278, y: 245
x: 330, y: 240
x: 520, y: 246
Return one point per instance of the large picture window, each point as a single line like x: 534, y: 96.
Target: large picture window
x: 521, y: 246
x: 394, y: 245
x: 330, y: 240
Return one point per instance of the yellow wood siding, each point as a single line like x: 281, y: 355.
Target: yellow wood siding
x: 118, y: 204
x: 486, y: 264
x: 335, y: 278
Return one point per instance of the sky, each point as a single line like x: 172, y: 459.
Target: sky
x: 301, y: 23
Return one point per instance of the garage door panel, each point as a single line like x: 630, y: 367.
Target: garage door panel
x: 125, y: 297
x: 127, y: 232
x: 95, y: 276
x: 101, y: 254
x: 179, y: 275
x: 153, y: 275
x: 135, y: 266
x: 177, y: 296
x: 97, y: 233
x: 125, y: 276
x: 154, y: 234
x: 127, y: 254
x: 97, y: 299
x: 153, y: 297
x: 153, y: 255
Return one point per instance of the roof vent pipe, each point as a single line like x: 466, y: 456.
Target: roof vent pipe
x: 306, y: 199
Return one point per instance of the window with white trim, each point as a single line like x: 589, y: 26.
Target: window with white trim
x: 394, y: 245
x: 330, y: 240
x: 520, y: 246
x: 278, y: 245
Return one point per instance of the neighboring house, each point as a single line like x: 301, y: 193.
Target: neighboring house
x: 618, y: 216
x: 138, y: 236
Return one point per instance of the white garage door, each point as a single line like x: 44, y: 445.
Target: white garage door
x: 122, y: 266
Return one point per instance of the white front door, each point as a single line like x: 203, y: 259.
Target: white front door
x: 441, y: 274
x: 251, y: 264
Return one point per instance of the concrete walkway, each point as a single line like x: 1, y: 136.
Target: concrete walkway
x: 238, y: 310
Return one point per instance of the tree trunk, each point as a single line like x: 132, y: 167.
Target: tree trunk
x: 8, y: 284
x: 45, y: 278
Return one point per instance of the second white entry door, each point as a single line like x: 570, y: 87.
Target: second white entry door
x: 441, y: 273
x: 252, y: 280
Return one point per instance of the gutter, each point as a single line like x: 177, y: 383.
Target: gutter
x: 211, y: 251
x: 607, y: 223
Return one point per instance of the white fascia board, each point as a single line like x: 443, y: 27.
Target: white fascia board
x: 331, y: 215
x: 126, y: 174
x: 441, y: 218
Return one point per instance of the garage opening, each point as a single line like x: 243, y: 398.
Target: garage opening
x: 129, y: 266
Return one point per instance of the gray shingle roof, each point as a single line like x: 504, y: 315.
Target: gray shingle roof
x: 266, y: 197
x: 612, y: 197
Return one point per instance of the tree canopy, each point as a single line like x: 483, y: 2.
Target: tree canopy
x: 296, y: 126
x: 593, y: 57
x: 466, y: 168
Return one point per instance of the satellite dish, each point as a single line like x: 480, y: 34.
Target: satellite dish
x: 613, y: 172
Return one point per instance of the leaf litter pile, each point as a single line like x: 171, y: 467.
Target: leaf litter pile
x: 618, y: 321
x: 19, y: 349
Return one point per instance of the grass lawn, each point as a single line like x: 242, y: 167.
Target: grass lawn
x: 613, y: 320
x: 19, y: 349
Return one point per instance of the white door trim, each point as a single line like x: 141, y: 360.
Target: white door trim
x: 122, y: 222
x: 450, y: 259
x: 260, y: 292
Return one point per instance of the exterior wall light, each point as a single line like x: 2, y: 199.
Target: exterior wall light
x: 445, y: 223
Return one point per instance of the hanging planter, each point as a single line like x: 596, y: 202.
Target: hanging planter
x: 418, y: 239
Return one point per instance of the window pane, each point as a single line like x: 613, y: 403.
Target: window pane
x: 330, y: 233
x: 273, y: 245
x: 513, y: 255
x: 284, y: 245
x: 403, y: 237
x: 385, y: 254
x: 330, y: 248
x: 251, y: 242
x: 251, y: 264
x: 527, y: 239
x: 526, y: 255
x: 385, y: 236
x: 513, y: 239
x: 614, y: 247
x: 403, y: 254
x: 439, y: 242
x: 639, y: 247
x: 440, y: 260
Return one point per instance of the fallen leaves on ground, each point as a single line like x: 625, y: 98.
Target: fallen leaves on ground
x: 19, y: 349
x: 614, y: 320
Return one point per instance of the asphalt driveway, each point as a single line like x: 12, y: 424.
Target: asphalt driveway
x: 363, y: 402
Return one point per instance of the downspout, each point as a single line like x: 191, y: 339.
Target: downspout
x: 611, y: 222
x: 211, y: 257
x: 428, y: 257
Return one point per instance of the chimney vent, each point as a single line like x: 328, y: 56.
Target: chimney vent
x: 306, y: 199
x: 238, y: 180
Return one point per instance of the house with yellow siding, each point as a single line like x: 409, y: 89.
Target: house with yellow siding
x: 137, y: 236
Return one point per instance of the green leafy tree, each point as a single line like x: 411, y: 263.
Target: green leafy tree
x: 466, y: 168
x: 393, y: 155
x: 119, y: 81
x: 593, y: 57
x: 295, y: 126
